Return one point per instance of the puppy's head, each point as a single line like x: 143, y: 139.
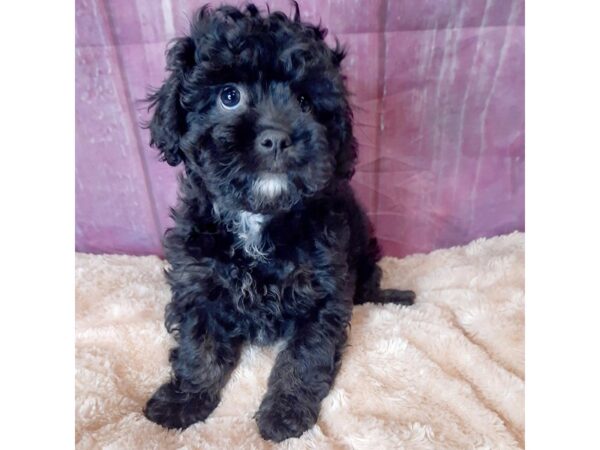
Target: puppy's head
x: 255, y: 105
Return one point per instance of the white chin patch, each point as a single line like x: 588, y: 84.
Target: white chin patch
x: 271, y: 185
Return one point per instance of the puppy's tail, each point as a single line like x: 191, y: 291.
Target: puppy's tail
x: 395, y: 296
x: 369, y: 290
x: 385, y: 296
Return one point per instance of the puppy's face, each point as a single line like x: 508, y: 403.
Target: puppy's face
x: 259, y: 145
x: 256, y: 106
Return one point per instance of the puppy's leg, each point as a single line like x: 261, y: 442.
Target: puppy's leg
x: 201, y: 367
x: 302, y: 376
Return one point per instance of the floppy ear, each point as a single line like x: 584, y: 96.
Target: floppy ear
x: 168, y: 124
x: 338, y: 53
x: 348, y: 147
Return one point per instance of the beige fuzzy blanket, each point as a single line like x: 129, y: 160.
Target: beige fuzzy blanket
x: 446, y: 373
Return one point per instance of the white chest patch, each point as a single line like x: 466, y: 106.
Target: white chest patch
x: 249, y: 227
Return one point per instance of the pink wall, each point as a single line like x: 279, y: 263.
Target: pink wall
x: 439, y: 107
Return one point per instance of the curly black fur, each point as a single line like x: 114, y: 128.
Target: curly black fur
x: 269, y: 241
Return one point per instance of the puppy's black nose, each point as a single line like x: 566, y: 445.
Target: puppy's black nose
x: 273, y: 140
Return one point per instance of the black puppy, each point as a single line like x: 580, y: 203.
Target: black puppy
x: 269, y: 241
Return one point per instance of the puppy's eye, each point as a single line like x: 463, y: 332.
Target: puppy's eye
x: 230, y: 97
x: 304, y: 103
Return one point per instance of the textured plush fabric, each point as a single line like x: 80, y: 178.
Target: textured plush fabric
x: 446, y: 373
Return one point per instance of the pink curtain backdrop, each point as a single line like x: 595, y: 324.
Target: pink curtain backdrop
x: 439, y: 106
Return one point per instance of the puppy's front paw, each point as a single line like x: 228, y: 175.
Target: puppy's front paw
x: 281, y: 417
x: 174, y: 409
